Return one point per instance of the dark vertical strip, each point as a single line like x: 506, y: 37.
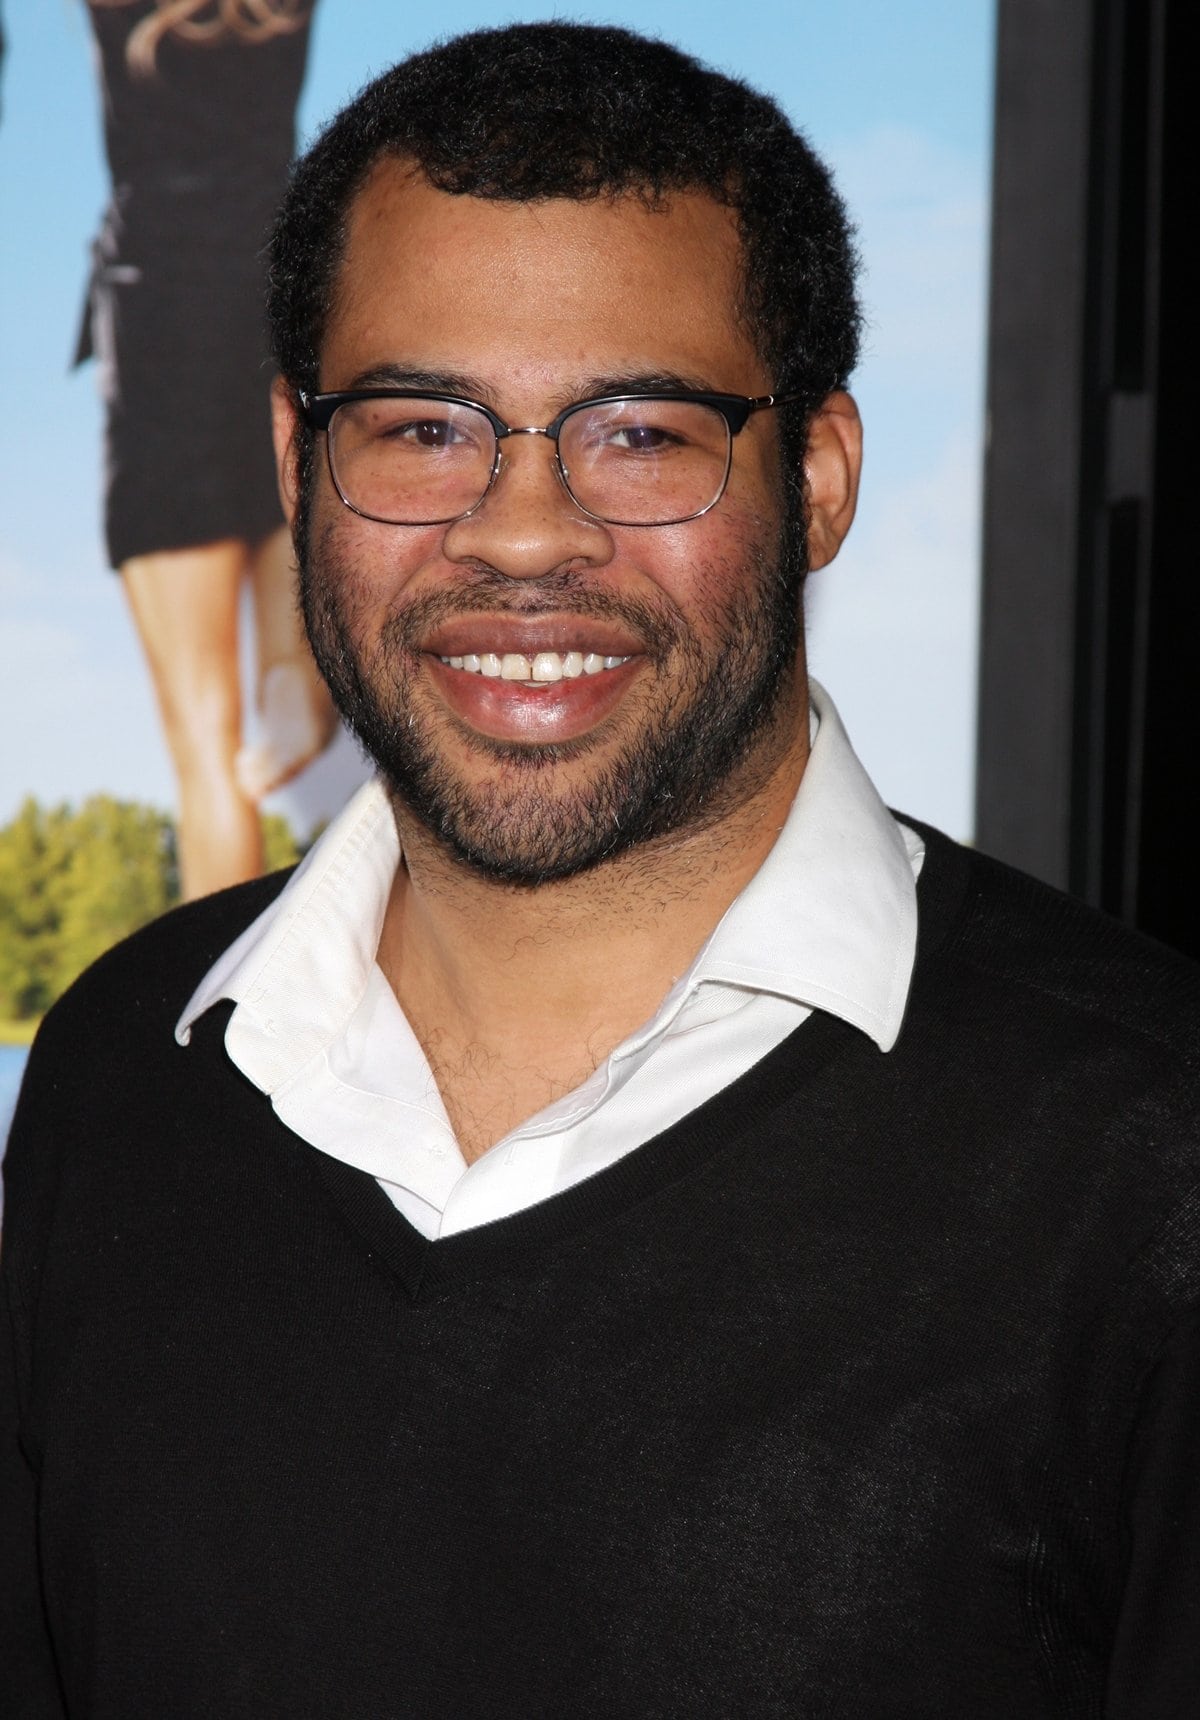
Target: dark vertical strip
x: 1035, y: 425
x: 1089, y: 755
x: 1168, y: 896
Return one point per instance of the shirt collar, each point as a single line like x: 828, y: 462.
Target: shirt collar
x: 829, y: 920
x: 299, y: 970
x: 830, y: 917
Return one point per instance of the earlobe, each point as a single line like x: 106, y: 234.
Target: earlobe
x: 285, y: 421
x: 832, y: 465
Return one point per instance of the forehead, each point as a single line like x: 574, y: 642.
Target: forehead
x: 557, y: 288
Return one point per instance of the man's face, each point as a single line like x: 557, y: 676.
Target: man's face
x: 527, y: 309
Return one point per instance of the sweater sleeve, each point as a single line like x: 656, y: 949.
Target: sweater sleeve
x: 29, y: 1686
x: 1155, y: 1669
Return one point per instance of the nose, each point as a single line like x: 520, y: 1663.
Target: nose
x: 527, y: 526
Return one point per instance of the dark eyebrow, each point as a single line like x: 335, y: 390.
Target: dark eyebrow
x: 436, y: 381
x: 641, y: 382
x: 596, y: 387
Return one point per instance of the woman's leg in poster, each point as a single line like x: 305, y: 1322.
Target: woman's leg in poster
x: 297, y: 715
x: 185, y: 605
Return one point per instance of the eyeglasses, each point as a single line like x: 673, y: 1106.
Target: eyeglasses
x: 409, y: 459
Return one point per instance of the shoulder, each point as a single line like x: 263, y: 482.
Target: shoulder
x: 1065, y: 1048
x: 1051, y: 1058
x: 1011, y: 937
x: 104, y: 1069
x: 141, y: 985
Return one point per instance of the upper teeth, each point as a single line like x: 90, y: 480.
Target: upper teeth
x: 542, y: 666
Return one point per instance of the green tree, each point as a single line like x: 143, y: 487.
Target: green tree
x: 35, y: 852
x: 73, y: 882
x: 121, y: 873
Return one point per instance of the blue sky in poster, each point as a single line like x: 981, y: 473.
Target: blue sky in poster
x: 898, y: 98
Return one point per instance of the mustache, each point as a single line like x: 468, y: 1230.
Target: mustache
x: 482, y: 590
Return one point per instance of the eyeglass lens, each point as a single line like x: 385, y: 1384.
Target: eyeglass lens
x: 631, y: 462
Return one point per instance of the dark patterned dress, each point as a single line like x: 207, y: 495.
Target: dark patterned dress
x: 199, y: 155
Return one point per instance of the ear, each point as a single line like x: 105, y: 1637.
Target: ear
x: 832, y: 465
x: 285, y: 421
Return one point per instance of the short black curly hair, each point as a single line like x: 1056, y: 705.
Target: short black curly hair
x: 551, y: 110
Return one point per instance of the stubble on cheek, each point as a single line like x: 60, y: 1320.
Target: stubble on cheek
x: 342, y: 600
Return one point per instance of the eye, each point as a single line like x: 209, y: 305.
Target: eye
x: 414, y: 427
x: 641, y: 438
x: 631, y: 429
x: 424, y: 432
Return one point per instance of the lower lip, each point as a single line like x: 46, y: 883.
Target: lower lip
x: 539, y: 712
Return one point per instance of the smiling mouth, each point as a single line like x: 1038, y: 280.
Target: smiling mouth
x: 541, y: 668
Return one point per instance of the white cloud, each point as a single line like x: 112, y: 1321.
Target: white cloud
x: 893, y: 628
x: 893, y: 624
x: 922, y: 214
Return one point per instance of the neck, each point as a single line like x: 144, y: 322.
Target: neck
x: 518, y: 993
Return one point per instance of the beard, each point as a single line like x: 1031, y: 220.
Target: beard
x: 700, y: 745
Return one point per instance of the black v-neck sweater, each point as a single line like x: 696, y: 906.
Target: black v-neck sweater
x: 870, y: 1390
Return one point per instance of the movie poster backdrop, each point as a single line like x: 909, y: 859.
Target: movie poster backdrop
x: 164, y: 732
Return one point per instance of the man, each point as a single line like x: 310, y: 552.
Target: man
x: 629, y: 1228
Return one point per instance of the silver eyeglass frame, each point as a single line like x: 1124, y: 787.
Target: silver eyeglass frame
x: 318, y: 410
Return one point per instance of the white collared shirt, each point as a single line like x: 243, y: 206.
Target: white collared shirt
x: 829, y: 921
